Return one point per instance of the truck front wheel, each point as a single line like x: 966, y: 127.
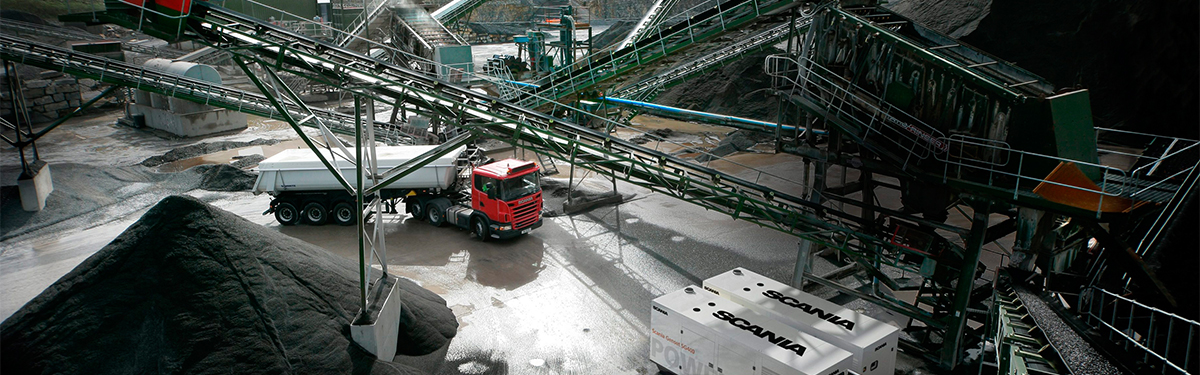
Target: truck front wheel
x: 315, y: 214
x: 479, y: 229
x: 343, y: 213
x: 287, y: 214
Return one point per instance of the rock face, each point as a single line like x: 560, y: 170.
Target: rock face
x: 1138, y: 58
x: 191, y: 289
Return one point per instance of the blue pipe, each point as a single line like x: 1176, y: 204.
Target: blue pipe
x: 522, y: 84
x: 705, y: 115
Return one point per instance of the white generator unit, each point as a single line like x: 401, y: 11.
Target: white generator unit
x: 871, y: 342
x: 693, y: 332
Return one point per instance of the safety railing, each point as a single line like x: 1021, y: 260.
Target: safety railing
x: 356, y: 26
x: 1164, y: 340
x: 600, y: 66
x: 873, y: 119
x: 736, y: 50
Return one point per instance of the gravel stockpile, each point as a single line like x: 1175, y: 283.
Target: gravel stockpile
x: 1080, y: 357
x: 192, y: 289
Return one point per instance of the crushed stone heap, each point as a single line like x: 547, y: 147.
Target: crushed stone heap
x: 192, y: 289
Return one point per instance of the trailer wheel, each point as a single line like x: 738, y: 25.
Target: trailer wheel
x: 436, y: 216
x: 479, y: 229
x: 343, y: 213
x: 663, y: 370
x: 287, y: 214
x: 315, y: 213
x: 414, y: 208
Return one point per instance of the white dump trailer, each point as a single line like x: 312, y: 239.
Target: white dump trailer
x: 872, y: 343
x: 696, y: 332
x: 300, y: 170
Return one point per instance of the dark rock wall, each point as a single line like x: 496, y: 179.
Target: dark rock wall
x: 1139, y: 59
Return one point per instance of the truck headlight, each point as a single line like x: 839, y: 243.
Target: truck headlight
x: 504, y: 227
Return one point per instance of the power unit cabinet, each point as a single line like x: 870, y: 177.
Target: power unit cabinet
x: 871, y: 343
x: 693, y: 332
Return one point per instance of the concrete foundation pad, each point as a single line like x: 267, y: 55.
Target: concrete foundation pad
x: 35, y: 188
x: 203, y: 121
x: 377, y: 330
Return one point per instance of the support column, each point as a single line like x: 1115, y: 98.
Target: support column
x: 952, y: 340
x: 803, y: 263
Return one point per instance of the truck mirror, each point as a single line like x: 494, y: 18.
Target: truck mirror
x: 490, y: 189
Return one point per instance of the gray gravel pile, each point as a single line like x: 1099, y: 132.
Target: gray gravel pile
x: 1080, y: 357
x: 192, y: 289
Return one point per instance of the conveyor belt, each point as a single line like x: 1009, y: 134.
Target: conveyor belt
x: 133, y: 76
x: 646, y: 89
x: 454, y: 10
x: 701, y: 27
x: 654, y: 16
x: 1077, y: 355
x: 490, y: 117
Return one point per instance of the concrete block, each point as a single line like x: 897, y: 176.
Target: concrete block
x: 37, y: 83
x: 29, y: 93
x: 378, y: 331
x: 191, y: 124
x: 42, y: 100
x: 34, y: 189
x: 50, y: 74
x: 73, y: 103
x: 69, y: 89
x: 64, y: 82
x: 58, y: 97
x: 49, y: 90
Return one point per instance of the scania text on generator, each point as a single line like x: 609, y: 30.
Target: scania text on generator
x: 871, y: 343
x: 695, y: 332
x: 502, y: 199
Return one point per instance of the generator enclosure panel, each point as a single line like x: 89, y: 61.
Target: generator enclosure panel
x: 693, y: 332
x: 871, y: 343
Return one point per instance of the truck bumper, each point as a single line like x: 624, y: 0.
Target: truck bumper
x: 504, y: 234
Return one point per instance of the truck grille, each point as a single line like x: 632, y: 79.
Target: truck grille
x: 526, y: 214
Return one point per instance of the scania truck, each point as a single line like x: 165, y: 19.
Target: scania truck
x: 502, y: 199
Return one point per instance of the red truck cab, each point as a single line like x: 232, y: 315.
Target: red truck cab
x: 509, y: 194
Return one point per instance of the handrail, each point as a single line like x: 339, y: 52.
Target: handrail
x: 1140, y: 328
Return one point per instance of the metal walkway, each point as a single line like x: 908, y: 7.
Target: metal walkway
x: 647, y: 89
x: 14, y: 27
x: 138, y: 77
x: 698, y: 27
x: 431, y: 32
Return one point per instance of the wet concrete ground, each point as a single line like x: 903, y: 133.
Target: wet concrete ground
x: 571, y: 297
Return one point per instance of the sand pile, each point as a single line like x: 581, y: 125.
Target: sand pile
x: 190, y: 288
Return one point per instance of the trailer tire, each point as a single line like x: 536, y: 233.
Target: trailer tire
x: 287, y: 214
x: 436, y: 215
x: 479, y: 228
x: 663, y: 370
x: 315, y: 213
x: 414, y: 208
x: 343, y: 214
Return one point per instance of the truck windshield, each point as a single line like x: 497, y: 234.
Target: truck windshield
x: 518, y: 187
